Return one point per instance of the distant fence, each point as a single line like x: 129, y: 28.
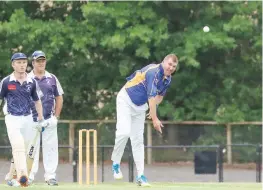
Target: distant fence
x: 228, y: 126
x: 148, y: 124
x: 219, y: 149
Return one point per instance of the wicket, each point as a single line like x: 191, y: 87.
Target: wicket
x: 88, y: 155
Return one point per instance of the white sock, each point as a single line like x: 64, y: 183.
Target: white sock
x: 140, y: 173
x: 114, y: 163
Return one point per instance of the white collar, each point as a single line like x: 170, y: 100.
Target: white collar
x: 47, y: 74
x: 28, y: 78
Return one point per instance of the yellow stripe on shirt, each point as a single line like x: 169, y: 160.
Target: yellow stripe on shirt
x: 139, y: 77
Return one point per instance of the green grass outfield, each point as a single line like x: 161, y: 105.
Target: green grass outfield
x: 154, y: 186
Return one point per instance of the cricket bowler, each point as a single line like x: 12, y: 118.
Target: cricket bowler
x: 147, y: 85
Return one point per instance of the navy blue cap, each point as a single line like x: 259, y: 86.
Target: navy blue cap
x: 18, y: 56
x: 38, y: 54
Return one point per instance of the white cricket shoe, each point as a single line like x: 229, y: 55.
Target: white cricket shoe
x: 142, y: 181
x: 30, y: 181
x: 13, y: 183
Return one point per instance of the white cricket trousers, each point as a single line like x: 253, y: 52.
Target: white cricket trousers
x: 20, y: 132
x: 130, y: 124
x: 50, y: 151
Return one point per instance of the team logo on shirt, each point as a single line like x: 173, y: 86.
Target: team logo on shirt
x: 156, y: 81
x: 11, y: 87
x: 48, y: 82
x: 28, y: 88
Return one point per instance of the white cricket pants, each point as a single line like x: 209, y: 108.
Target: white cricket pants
x: 50, y: 151
x: 130, y: 124
x: 20, y: 132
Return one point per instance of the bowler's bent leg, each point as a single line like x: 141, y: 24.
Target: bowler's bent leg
x: 123, y: 128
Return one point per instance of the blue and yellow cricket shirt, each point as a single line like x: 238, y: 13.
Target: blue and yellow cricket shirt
x: 146, y: 83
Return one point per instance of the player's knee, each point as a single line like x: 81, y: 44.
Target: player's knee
x: 137, y: 140
x: 123, y: 133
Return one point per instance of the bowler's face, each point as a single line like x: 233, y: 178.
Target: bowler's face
x: 169, y: 66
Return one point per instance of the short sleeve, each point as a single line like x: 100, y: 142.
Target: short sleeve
x: 163, y: 92
x: 166, y: 86
x: 58, y: 91
x: 3, y: 89
x: 36, y: 92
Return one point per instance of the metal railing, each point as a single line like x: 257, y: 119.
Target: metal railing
x: 149, y: 129
x: 220, y: 149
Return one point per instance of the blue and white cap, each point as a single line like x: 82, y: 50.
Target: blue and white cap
x: 38, y: 54
x: 18, y: 56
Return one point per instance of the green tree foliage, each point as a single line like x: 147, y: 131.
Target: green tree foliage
x: 93, y: 46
